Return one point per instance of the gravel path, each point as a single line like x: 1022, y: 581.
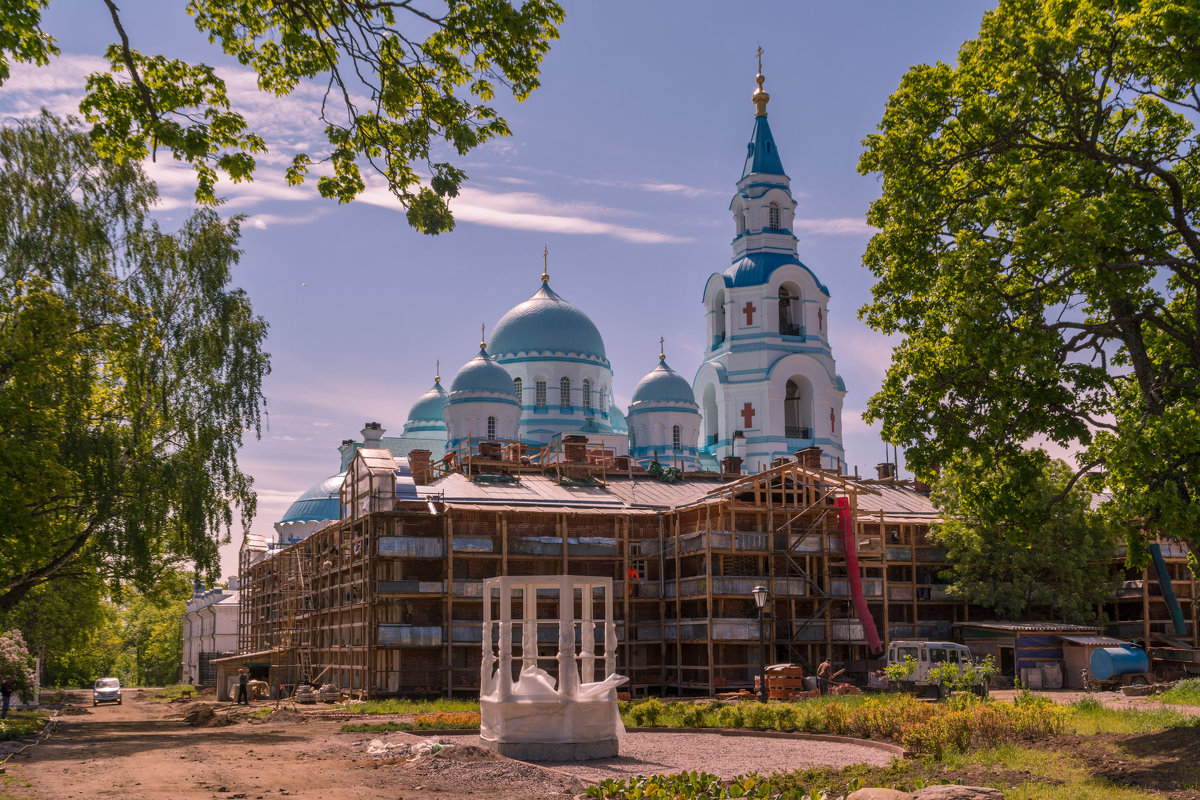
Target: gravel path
x: 726, y: 756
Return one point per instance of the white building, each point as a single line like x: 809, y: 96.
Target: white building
x: 210, y: 628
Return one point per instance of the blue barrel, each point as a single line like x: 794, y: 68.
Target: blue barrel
x: 1113, y: 662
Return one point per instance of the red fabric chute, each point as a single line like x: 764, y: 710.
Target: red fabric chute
x: 850, y: 547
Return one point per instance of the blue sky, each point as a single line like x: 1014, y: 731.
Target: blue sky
x: 623, y: 164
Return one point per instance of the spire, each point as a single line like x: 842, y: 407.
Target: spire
x: 482, y: 338
x: 545, y: 264
x: 761, y: 156
x: 437, y: 371
x: 760, y: 97
x: 662, y: 354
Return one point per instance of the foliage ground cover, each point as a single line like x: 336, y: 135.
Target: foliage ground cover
x: 21, y: 725
x: 437, y: 720
x: 1089, y: 716
x: 1185, y: 693
x: 928, y: 728
x: 401, y: 705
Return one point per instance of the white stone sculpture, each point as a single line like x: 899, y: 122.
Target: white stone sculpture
x: 532, y: 717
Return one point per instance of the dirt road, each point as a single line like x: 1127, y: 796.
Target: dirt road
x: 147, y: 749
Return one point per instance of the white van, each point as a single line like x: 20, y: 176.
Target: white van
x: 927, y: 655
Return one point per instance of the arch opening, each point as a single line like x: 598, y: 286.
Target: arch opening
x: 797, y: 409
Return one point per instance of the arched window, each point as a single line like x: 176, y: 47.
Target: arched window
x: 773, y: 215
x: 491, y: 427
x: 718, y: 319
x: 676, y: 439
x: 587, y: 395
x: 564, y: 393
x: 797, y: 409
x: 539, y: 393
x: 740, y: 216
x: 517, y: 388
x: 604, y: 398
x: 787, y: 323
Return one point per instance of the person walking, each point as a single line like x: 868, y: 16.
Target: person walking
x: 243, y: 680
x: 6, y: 695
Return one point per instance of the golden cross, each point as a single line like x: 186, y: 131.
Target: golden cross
x: 662, y: 354
x: 437, y: 371
x: 545, y: 263
x: 482, y: 338
x: 760, y: 52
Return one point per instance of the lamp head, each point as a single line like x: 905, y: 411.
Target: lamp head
x: 760, y: 596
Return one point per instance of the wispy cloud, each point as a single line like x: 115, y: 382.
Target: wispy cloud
x: 842, y: 226
x: 290, y: 124
x: 528, y: 211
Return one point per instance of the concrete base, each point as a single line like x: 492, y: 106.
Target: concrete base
x: 554, y: 751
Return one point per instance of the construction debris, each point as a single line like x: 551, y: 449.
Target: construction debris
x: 378, y: 747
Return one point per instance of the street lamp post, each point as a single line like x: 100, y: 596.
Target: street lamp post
x: 760, y: 600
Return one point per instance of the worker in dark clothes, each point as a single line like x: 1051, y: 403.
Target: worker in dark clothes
x: 243, y: 680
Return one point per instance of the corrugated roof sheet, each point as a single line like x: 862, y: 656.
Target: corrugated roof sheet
x: 1030, y: 627
x: 541, y: 492
x: 1093, y: 640
x: 896, y: 502
x: 620, y: 492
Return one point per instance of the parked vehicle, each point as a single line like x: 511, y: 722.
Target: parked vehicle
x: 106, y: 690
x: 925, y: 656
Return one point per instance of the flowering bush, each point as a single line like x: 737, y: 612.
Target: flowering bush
x: 17, y: 664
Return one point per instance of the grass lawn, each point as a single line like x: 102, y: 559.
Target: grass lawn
x: 1030, y: 749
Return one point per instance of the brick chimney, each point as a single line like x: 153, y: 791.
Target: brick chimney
x: 809, y: 457
x: 489, y: 449
x: 421, y: 464
x: 779, y: 462
x: 885, y: 471
x: 575, y: 447
x: 731, y: 465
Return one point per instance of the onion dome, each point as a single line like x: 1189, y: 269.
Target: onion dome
x: 616, y: 419
x: 319, y: 503
x: 426, y: 413
x: 481, y: 376
x: 546, y: 323
x: 662, y: 385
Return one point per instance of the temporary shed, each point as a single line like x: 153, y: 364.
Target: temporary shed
x: 1020, y: 648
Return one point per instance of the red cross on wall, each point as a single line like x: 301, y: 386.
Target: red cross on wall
x: 749, y: 312
x: 748, y: 416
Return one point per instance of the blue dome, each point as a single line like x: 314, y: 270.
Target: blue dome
x: 663, y: 385
x: 318, y: 503
x: 754, y: 269
x: 429, y: 406
x: 616, y: 419
x: 547, y: 323
x: 482, y: 375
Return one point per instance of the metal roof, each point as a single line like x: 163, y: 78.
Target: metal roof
x: 896, y: 502
x: 619, y: 494
x: 1097, y: 640
x: 1029, y: 627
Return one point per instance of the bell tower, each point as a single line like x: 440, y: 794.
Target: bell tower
x: 768, y: 385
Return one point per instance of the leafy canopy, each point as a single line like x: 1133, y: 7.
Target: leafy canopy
x: 129, y: 372
x: 1039, y: 253
x: 1011, y: 556
x: 400, y: 77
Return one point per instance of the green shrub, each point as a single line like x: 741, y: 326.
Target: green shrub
x: 1185, y: 692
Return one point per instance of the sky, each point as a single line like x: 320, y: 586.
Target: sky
x: 622, y: 164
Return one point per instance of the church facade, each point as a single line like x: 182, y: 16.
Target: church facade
x: 767, y: 387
